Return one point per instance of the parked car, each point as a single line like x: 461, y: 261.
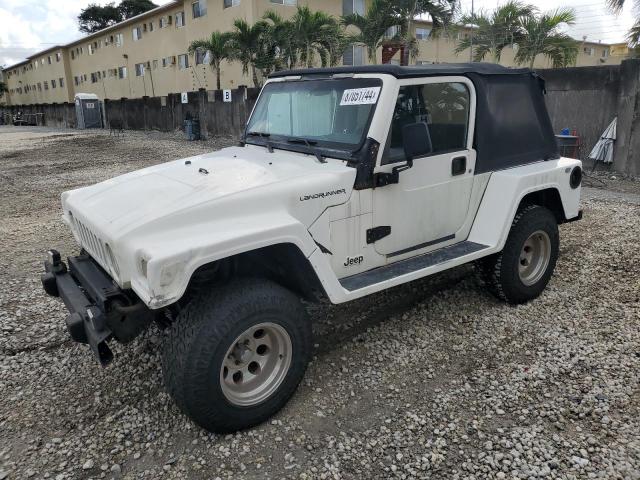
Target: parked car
x: 348, y: 181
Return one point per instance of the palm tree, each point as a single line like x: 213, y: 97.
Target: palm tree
x: 372, y: 26
x: 246, y: 43
x: 541, y: 35
x: 335, y: 43
x: 218, y: 47
x: 311, y: 31
x: 633, y: 36
x: 279, y: 34
x: 406, y: 12
x: 496, y: 31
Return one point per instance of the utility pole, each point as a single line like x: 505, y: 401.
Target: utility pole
x: 471, y: 34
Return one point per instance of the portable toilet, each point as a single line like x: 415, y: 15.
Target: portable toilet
x: 88, y: 111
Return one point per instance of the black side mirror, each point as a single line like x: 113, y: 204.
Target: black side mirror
x: 416, y: 140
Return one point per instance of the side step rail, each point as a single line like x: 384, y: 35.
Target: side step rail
x: 410, y: 265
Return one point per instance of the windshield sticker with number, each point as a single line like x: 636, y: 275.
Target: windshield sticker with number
x: 360, y: 96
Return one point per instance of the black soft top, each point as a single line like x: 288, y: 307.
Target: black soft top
x: 512, y: 124
x: 411, y: 71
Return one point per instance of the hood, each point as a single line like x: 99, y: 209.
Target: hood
x: 243, y: 179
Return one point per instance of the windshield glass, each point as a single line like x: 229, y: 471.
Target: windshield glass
x: 330, y: 113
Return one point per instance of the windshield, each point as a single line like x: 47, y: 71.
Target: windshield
x: 329, y: 113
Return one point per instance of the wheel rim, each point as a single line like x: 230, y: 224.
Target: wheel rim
x: 534, y: 257
x: 255, y: 364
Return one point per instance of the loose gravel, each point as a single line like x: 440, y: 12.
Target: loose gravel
x: 435, y: 379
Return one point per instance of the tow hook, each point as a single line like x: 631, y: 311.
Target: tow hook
x: 54, y: 265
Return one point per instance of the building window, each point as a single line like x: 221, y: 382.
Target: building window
x: 180, y: 19
x: 605, y: 53
x: 46, y: 85
x: 53, y: 84
x: 422, y: 33
x: 90, y: 49
x: 183, y: 62
x: 230, y: 3
x: 199, y: 8
x: 49, y: 59
x: 353, y: 6
x: 94, y: 77
x: 165, y: 21
x: 39, y: 87
x: 122, y: 72
x: 137, y: 34
x: 353, y: 55
x: 61, y: 82
x: 166, y: 61
x: 119, y: 39
x: 200, y: 56
x: 139, y: 69
x: 151, y: 26
x: 58, y: 56
x: 73, y: 55
x: 285, y: 2
x: 589, y: 51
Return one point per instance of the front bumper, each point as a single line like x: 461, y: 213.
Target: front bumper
x: 98, y: 308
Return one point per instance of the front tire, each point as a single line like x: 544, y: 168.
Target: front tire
x: 235, y: 355
x: 521, y: 271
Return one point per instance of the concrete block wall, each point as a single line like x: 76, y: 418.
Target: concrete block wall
x: 587, y: 99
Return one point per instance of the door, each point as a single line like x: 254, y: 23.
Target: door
x: 92, y: 113
x: 429, y: 205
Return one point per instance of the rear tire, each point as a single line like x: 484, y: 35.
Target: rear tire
x: 235, y: 355
x: 521, y: 271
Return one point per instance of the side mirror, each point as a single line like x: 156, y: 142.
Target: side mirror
x: 416, y: 140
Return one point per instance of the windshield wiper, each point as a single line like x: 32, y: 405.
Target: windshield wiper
x: 310, y: 144
x: 263, y: 135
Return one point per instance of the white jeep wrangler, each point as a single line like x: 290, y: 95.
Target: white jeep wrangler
x: 348, y: 181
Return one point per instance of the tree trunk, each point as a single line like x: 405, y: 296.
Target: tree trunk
x: 533, y: 59
x: 256, y: 83
x: 405, y: 50
x: 373, y: 55
x: 218, y: 78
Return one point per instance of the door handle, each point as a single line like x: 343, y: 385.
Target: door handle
x: 458, y: 166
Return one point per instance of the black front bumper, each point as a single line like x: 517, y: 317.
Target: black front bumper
x: 98, y: 308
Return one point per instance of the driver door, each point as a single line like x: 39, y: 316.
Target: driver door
x: 429, y: 206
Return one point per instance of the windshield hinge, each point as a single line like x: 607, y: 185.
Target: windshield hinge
x: 383, y: 179
x: 376, y: 233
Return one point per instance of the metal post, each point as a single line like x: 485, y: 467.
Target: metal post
x: 471, y: 35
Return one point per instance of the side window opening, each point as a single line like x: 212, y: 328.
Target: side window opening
x: 444, y: 107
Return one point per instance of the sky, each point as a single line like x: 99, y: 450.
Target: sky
x: 27, y: 26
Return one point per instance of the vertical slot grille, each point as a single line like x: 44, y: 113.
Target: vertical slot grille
x: 95, y: 246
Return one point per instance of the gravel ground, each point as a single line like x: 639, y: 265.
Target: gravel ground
x: 435, y: 379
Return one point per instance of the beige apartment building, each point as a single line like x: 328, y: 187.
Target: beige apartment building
x: 147, y: 55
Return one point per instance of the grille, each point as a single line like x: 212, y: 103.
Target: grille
x: 98, y: 249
